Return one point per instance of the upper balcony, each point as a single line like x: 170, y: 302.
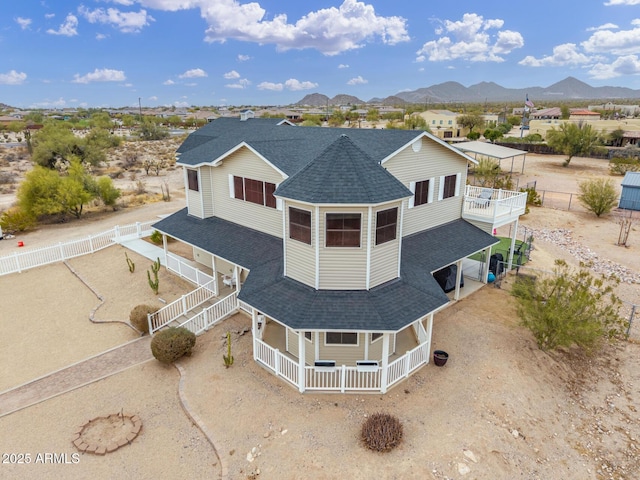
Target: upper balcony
x: 497, y: 207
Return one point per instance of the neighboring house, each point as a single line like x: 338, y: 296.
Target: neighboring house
x: 443, y: 123
x: 583, y: 114
x: 630, y: 196
x: 553, y: 113
x: 331, y: 238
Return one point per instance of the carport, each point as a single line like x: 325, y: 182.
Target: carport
x: 493, y: 151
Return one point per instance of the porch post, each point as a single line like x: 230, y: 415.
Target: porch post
x: 164, y: 248
x: 236, y: 273
x: 385, y: 362
x: 216, y: 292
x: 487, y: 262
x: 456, y: 296
x: 429, y: 333
x: 254, y: 330
x: 301, y: 357
x: 513, y: 245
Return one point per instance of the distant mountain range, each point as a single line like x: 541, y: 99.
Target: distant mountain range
x: 568, y: 89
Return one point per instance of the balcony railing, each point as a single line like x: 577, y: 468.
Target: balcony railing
x: 491, y: 205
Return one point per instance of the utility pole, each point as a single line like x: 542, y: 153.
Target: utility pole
x: 140, y: 108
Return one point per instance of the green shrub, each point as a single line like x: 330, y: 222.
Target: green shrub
x: 598, y: 195
x: 172, y: 343
x: 621, y: 165
x: 17, y: 220
x: 138, y: 317
x: 381, y: 432
x: 156, y: 237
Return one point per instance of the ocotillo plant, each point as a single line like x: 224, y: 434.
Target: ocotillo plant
x: 155, y: 283
x: 228, y: 358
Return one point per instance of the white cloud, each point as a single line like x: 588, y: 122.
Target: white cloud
x: 622, y: 42
x: 625, y: 65
x: 168, y: 82
x: 606, y: 26
x: 153, y: 98
x: 240, y: 84
x: 100, y: 75
x: 12, y: 78
x: 471, y: 39
x: 61, y: 102
x: 357, y: 81
x: 23, y: 22
x: 126, y: 22
x: 622, y: 2
x: 276, y: 87
x: 566, y: 54
x: 193, y: 73
x: 329, y: 30
x: 296, y: 85
x: 49, y: 15
x: 100, y: 36
x: 343, y: 65
x: 231, y: 75
x: 68, y: 28
x: 243, y: 58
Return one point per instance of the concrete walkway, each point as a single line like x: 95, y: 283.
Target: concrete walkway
x: 144, y: 248
x: 77, y: 375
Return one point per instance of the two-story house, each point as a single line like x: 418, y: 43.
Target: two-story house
x: 330, y: 238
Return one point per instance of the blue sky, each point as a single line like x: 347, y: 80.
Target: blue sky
x: 111, y: 53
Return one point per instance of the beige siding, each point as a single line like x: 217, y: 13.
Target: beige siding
x: 432, y: 161
x: 343, y: 354
x: 202, y: 257
x: 245, y: 163
x: 343, y: 268
x: 309, y: 348
x: 384, y: 257
x: 206, y: 190
x: 375, y: 348
x: 484, y: 226
x: 301, y: 258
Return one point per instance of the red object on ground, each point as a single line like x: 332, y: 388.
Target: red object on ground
x: 21, y: 243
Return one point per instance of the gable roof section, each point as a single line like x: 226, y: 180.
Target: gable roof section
x: 343, y: 173
x: 290, y: 148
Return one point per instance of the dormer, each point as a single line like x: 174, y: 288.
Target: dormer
x: 342, y: 220
x: 246, y: 114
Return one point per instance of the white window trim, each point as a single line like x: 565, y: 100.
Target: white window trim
x: 288, y: 221
x: 377, y: 339
x: 441, y: 189
x: 325, y: 230
x: 342, y: 345
x: 412, y: 200
x: 432, y: 186
x: 232, y: 187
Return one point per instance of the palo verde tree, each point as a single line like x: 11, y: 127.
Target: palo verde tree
x: 570, y: 307
x: 572, y: 139
x: 471, y: 121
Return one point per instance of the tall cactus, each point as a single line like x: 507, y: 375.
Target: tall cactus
x: 228, y: 358
x: 155, y: 283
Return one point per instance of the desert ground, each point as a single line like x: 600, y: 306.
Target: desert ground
x: 499, y: 409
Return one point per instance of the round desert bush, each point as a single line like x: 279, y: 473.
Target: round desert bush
x: 138, y: 317
x: 381, y: 432
x: 170, y: 344
x: 156, y: 237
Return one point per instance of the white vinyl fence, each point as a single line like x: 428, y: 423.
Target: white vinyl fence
x: 38, y: 257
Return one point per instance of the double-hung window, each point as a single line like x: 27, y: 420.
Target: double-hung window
x: 300, y: 225
x: 254, y: 191
x: 386, y: 225
x: 192, y: 180
x: 343, y: 229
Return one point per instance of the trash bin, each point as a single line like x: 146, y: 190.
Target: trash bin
x: 440, y: 357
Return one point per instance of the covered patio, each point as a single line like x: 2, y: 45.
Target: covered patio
x: 491, y: 150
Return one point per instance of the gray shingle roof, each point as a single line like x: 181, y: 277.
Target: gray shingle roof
x: 240, y: 245
x: 289, y: 148
x: 343, y: 173
x: 388, y: 307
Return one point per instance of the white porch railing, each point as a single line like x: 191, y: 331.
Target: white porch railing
x: 212, y: 315
x: 181, y: 306
x: 502, y: 204
x: 341, y: 379
x: 183, y: 269
x: 38, y: 257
